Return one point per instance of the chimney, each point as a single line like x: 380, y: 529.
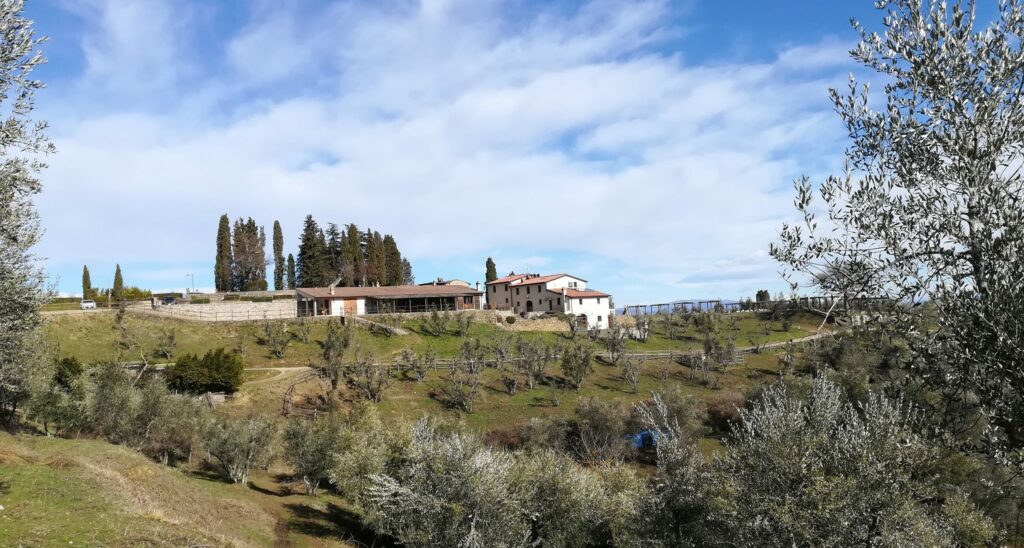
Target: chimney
x: 478, y: 286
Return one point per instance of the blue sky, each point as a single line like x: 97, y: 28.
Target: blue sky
x: 648, y: 147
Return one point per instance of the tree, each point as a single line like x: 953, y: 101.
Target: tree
x: 278, y: 257
x: 811, y: 471
x: 577, y: 363
x: 631, y: 373
x: 354, y: 254
x: 291, y: 271
x: 311, y: 449
x: 275, y: 338
x: 376, y: 261
x: 492, y: 270
x: 392, y: 261
x: 615, y: 343
x: 312, y: 262
x: 449, y: 490
x: 87, y: 289
x: 336, y: 344
x: 407, y: 276
x: 117, y: 290
x: 463, y: 383
x: 336, y: 264
x: 22, y: 143
x: 930, y: 206
x: 238, y: 446
x: 223, y: 266
x: 217, y: 371
x: 250, y: 264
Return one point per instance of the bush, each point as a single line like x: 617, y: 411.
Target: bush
x: 510, y: 320
x: 724, y: 412
x: 217, y: 371
x: 199, y: 300
x: 232, y: 297
x: 261, y: 299
x: 311, y: 449
x: 238, y: 446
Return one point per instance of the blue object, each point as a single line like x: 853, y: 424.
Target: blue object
x: 644, y: 439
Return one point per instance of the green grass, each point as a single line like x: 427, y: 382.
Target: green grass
x: 93, y: 338
x: 91, y: 493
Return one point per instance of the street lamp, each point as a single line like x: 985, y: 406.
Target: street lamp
x: 193, y: 276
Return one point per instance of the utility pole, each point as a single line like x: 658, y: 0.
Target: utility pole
x: 193, y: 276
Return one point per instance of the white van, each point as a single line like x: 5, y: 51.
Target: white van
x: 88, y: 305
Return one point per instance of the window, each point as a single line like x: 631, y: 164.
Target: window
x: 506, y: 300
x: 517, y: 291
x: 467, y: 300
x: 599, y: 300
x: 559, y: 301
x: 527, y: 290
x: 599, y: 319
x: 494, y: 289
x: 581, y: 301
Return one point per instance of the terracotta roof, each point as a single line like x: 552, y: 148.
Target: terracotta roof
x: 548, y: 278
x: 577, y: 294
x: 387, y: 292
x: 507, y: 279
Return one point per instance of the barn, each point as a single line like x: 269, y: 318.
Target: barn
x: 357, y: 301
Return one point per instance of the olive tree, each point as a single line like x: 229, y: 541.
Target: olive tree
x: 929, y: 207
x: 577, y: 363
x: 449, y: 490
x: 238, y: 446
x: 311, y: 449
x: 23, y: 141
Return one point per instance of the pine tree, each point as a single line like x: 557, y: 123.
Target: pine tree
x: 392, y: 261
x: 118, y: 288
x: 407, y: 277
x: 223, y: 278
x: 354, y: 254
x: 86, y: 283
x: 278, y: 257
x: 250, y: 265
x: 291, y: 271
x: 335, y: 252
x: 312, y: 263
x: 492, y: 270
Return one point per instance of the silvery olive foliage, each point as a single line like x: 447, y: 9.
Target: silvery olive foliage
x: 929, y: 207
x: 22, y: 143
x: 451, y: 491
x: 809, y: 470
x: 448, y: 489
x: 819, y: 471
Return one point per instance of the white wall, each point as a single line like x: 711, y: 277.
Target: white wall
x: 597, y: 310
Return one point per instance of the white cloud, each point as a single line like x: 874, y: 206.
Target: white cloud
x: 459, y: 128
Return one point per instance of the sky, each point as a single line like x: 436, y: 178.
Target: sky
x: 648, y: 147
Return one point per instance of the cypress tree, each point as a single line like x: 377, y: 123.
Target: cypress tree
x: 223, y: 277
x: 86, y: 283
x: 291, y: 271
x: 312, y: 263
x: 354, y: 254
x: 278, y: 257
x: 374, y: 272
x: 392, y: 261
x: 492, y: 270
x: 118, y: 288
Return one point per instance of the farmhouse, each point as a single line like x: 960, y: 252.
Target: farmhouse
x: 356, y: 301
x: 528, y: 294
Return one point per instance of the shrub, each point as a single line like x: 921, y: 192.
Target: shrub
x: 217, y: 371
x: 601, y: 429
x: 261, y: 299
x: 238, y: 446
x: 510, y: 320
x: 199, y: 300
x: 311, y: 449
x: 232, y: 297
x: 577, y: 363
x: 723, y: 412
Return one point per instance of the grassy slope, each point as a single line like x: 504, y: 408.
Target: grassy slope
x: 92, y: 337
x: 88, y: 492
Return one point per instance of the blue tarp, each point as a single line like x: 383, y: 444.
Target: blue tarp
x: 646, y: 438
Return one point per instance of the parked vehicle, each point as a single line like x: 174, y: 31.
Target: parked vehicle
x: 87, y: 304
x: 168, y: 300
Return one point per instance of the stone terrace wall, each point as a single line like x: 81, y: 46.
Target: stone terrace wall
x: 241, y: 311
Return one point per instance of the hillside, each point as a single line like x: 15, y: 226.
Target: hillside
x: 88, y: 492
